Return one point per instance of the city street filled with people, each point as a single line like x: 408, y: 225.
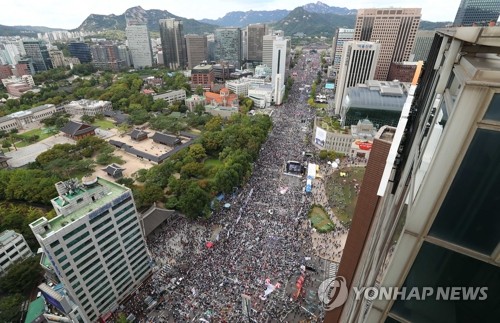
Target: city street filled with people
x: 255, y: 248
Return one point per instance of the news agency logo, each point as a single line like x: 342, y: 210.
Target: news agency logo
x: 333, y: 293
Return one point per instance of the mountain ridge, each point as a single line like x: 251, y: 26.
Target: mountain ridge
x: 317, y: 19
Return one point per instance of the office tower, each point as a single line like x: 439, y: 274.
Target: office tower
x: 422, y: 46
x: 394, y: 29
x: 358, y: 64
x: 342, y: 35
x: 197, y: 50
x: 95, y: 244
x: 5, y: 71
x: 9, y: 52
x: 281, y: 48
x: 139, y: 45
x: 211, y: 47
x: 106, y: 56
x: 267, y: 46
x: 13, y: 248
x: 57, y: 58
x: 37, y: 51
x: 477, y: 12
x: 254, y: 42
x: 402, y: 71
x: 24, y: 67
x: 203, y: 75
x: 172, y: 43
x: 124, y: 55
x: 228, y: 46
x: 81, y: 51
x: 434, y: 220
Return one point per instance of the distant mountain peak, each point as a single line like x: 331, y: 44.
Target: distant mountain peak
x: 95, y: 23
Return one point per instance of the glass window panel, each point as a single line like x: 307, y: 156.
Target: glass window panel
x: 439, y: 267
x: 493, y: 112
x: 469, y: 213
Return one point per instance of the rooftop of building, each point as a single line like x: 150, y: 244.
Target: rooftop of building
x: 112, y: 191
x: 88, y: 103
x: 203, y: 67
x: 386, y: 133
x: 35, y: 309
x: 23, y: 113
x: 378, y: 95
x: 7, y: 236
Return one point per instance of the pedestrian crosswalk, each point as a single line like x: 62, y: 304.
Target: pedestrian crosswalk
x: 332, y: 270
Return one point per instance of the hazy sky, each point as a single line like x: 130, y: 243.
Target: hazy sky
x: 70, y: 14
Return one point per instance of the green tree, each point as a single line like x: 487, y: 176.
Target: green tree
x: 147, y: 195
x: 22, y: 276
x: 139, y: 116
x: 121, y: 318
x: 199, y: 90
x: 10, y: 308
x: 194, y: 203
x: 197, y: 152
x: 6, y: 144
x: 87, y: 119
x: 192, y: 169
x: 127, y: 181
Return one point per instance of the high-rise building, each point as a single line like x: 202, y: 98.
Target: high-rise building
x: 57, y: 58
x: 95, y: 244
x: 267, y: 46
x: 479, y: 12
x: 394, y: 29
x: 203, y: 75
x: 422, y: 46
x: 124, y: 55
x: 172, y: 43
x: 5, y: 71
x: 281, y: 49
x: 13, y: 248
x: 139, y: 45
x: 9, y: 52
x: 197, y: 50
x: 24, y: 67
x: 358, y: 64
x: 342, y: 35
x: 430, y: 220
x: 254, y: 42
x: 106, y: 56
x: 81, y: 51
x: 211, y: 47
x: 228, y: 46
x: 37, y: 51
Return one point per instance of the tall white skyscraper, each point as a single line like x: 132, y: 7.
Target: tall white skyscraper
x: 358, y: 64
x: 279, y: 65
x: 267, y: 46
x: 95, y: 244
x: 342, y: 35
x: 139, y: 45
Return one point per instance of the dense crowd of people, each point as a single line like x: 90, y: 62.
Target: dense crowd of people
x: 259, y: 237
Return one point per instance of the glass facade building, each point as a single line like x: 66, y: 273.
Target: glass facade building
x: 480, y: 12
x: 80, y: 51
x: 228, y: 46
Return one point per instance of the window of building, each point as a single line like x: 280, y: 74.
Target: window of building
x: 439, y: 267
x: 469, y: 213
x: 493, y: 112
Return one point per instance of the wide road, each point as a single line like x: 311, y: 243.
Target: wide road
x: 263, y: 236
